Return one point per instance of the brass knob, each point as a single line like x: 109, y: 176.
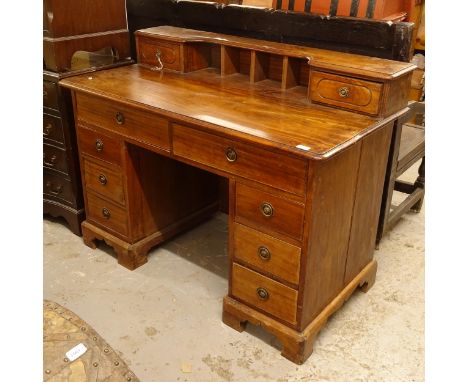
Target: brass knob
x: 99, y: 145
x: 343, y: 92
x: 102, y: 179
x: 264, y: 253
x: 267, y: 209
x: 263, y: 294
x: 106, y: 213
x: 231, y: 154
x: 47, y: 130
x: 119, y: 118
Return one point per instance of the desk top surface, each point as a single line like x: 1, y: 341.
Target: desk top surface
x: 259, y: 113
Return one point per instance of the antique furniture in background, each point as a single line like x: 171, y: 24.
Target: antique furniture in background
x: 302, y: 137
x: 78, y: 37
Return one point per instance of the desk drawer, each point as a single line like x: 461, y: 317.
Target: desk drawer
x: 133, y: 123
x: 103, y: 180
x: 345, y: 92
x: 277, y: 170
x: 57, y: 187
x: 99, y: 145
x: 106, y: 214
x: 264, y: 293
x: 267, y: 253
x: 52, y: 128
x: 54, y: 158
x: 269, y: 213
x: 169, y: 53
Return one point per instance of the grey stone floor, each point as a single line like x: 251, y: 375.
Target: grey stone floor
x: 165, y: 317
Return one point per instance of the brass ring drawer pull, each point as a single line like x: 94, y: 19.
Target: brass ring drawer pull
x: 343, y: 92
x: 47, y: 130
x: 119, y: 118
x: 267, y: 209
x: 106, y: 213
x: 264, y: 253
x: 231, y: 154
x: 263, y: 294
x: 99, y: 145
x: 102, y: 179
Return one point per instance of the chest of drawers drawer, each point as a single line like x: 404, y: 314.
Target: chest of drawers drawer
x: 99, y: 145
x: 55, y: 158
x: 52, y: 128
x: 264, y: 293
x: 107, y: 214
x: 104, y: 180
x: 50, y: 94
x: 282, y: 171
x: 136, y: 124
x: 266, y: 253
x: 268, y: 213
x: 57, y: 187
x: 349, y: 93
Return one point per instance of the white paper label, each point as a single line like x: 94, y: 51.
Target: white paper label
x: 76, y: 352
x: 303, y: 147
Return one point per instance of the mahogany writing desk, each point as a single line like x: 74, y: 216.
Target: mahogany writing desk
x: 303, y: 136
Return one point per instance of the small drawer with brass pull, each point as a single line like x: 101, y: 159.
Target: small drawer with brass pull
x: 139, y: 125
x: 158, y: 54
x: 264, y: 293
x: 345, y: 92
x: 99, y: 145
x: 267, y: 212
x: 50, y: 94
x: 52, y: 129
x: 106, y: 214
x: 104, y: 179
x: 281, y: 171
x: 266, y: 254
x: 54, y: 158
x: 56, y: 187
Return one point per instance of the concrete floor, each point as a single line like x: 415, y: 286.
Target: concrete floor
x: 165, y: 317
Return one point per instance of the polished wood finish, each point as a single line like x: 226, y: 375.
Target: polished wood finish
x: 104, y: 180
x: 305, y: 180
x: 99, y: 145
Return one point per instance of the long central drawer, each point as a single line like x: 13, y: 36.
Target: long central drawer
x: 273, y: 169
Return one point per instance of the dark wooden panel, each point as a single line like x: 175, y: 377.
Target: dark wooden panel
x: 362, y: 36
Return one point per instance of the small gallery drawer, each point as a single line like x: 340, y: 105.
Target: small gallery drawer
x: 264, y: 293
x: 269, y: 213
x: 267, y: 253
x: 50, y: 94
x: 107, y: 214
x: 57, y: 187
x: 277, y: 170
x: 52, y: 128
x: 345, y: 92
x: 169, y: 53
x: 104, y: 180
x: 99, y: 145
x: 54, y: 158
x: 137, y: 124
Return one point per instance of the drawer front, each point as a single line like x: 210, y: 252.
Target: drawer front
x: 276, y: 170
x: 267, y: 253
x: 55, y: 158
x: 345, y: 92
x: 50, y: 94
x: 106, y: 214
x: 52, y: 128
x: 57, y: 188
x: 169, y: 53
x: 99, y: 145
x: 104, y: 180
x: 264, y: 293
x: 269, y: 213
x: 136, y: 124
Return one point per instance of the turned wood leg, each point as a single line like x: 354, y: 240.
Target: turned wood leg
x: 420, y: 183
x: 233, y: 321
